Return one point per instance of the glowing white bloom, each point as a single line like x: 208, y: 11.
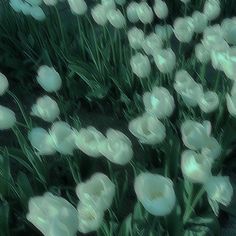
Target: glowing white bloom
x: 151, y: 44
x: 209, y: 102
x: 45, y: 108
x: 50, y: 2
x: 7, y: 118
x: 211, y: 149
x: 78, y: 7
x: 202, y: 54
x: 194, y: 134
x: 184, y: 29
x: 63, y: 137
x: 37, y: 13
x: 148, y: 129
x: 164, y: 32
x: 90, y: 218
x: 160, y: 8
x: 140, y: 65
x: 116, y: 18
x: 117, y: 147
x: 132, y: 13
x: 229, y: 64
x: 52, y: 215
x: 228, y: 27
x: 98, y: 191
x: 165, y: 60
x: 182, y: 80
x: 99, y: 14
x: 195, y: 167
x: 49, y: 79
x: 155, y: 192
x: 41, y: 141
x: 145, y: 13
x: 109, y: 4
x: 159, y: 102
x: 136, y: 38
x: 231, y: 104
x: 199, y: 21
x: 219, y: 190
x: 3, y: 84
x: 88, y: 140
x: 212, y: 9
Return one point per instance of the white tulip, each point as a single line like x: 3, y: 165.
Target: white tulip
x: 88, y: 140
x: 160, y: 8
x: 116, y: 18
x: 46, y: 109
x: 120, y: 2
x: 202, y: 54
x: 183, y: 80
x: 228, y: 27
x: 117, y: 147
x: 136, y: 38
x: 89, y: 218
x: 145, y: 13
x: 164, y: 32
x: 26, y: 8
x: 49, y: 79
x: 99, y: 14
x: 165, y: 60
x: 199, y: 21
x: 155, y: 192
x: 140, y: 65
x: 52, y: 215
x: 159, y: 102
x: 211, y: 149
x: 3, y: 84
x: 132, y: 13
x: 195, y: 134
x: 231, y: 104
x: 108, y: 4
x: 63, y: 137
x: 42, y: 141
x: 78, y: 7
x: 219, y: 190
x: 209, y: 102
x: 212, y: 9
x: 148, y: 129
x: 98, y: 190
x: 16, y: 5
x: 151, y: 44
x: 37, y: 13
x: 229, y: 64
x: 50, y: 2
x: 7, y: 118
x: 195, y: 167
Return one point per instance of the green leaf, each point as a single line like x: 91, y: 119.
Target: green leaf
x: 126, y: 226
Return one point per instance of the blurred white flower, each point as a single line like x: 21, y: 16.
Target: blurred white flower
x: 45, y: 108
x: 212, y: 9
x: 182, y: 80
x: 132, y: 13
x: 151, y: 44
x: 3, y: 84
x: 35, y: 2
x: 26, y: 8
x: 148, y: 129
x: 195, y: 134
x: 140, y: 65
x: 231, y: 104
x: 136, y: 38
x: 209, y: 102
x: 42, y: 141
x: 16, y: 5
x: 228, y: 27
x: 195, y: 167
x: 116, y: 18
x: 219, y: 190
x: 199, y: 21
x: 145, y: 13
x: 229, y: 64
x: 120, y: 2
x: 37, y: 13
x: 7, y: 118
x: 49, y: 79
x: 159, y: 102
x: 52, y: 215
x: 160, y: 8
x: 88, y: 140
x: 117, y: 147
x: 211, y: 149
x: 99, y: 14
x: 202, y: 54
x: 108, y: 4
x: 98, y: 191
x: 155, y: 192
x: 78, y: 7
x: 164, y: 32
x: 50, y: 2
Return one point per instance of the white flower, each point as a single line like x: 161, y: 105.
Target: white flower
x: 88, y: 140
x: 3, y: 84
x: 117, y: 147
x: 140, y: 65
x: 229, y: 64
x: 228, y: 27
x: 49, y: 79
x: 26, y: 8
x: 160, y: 8
x: 195, y: 167
x: 219, y: 190
x: 99, y: 14
x: 211, y: 149
x: 16, y: 5
x: 98, y: 191
x: 159, y: 102
x: 116, y: 18
x: 37, y: 13
x: 184, y: 29
x: 182, y: 80
x: 63, y: 137
x: 164, y: 32
x: 212, y: 9
x: 89, y: 217
x: 136, y: 38
x: 199, y: 21
x: 148, y: 129
x: 209, y: 102
x: 132, y: 13
x: 7, y: 118
x: 50, y: 2
x: 165, y: 60
x: 41, y: 140
x: 120, y: 2
x: 46, y: 109
x: 155, y: 192
x: 52, y: 215
x: 195, y: 134
x: 145, y: 13
x: 78, y: 7
x: 109, y: 4
x: 151, y: 44
x: 231, y: 104
x: 202, y: 54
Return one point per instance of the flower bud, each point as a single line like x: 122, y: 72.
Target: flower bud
x: 145, y: 13
x: 155, y: 192
x: 211, y: 9
x: 132, y: 13
x: 78, y: 7
x: 211, y: 149
x: 182, y: 80
x: 164, y: 32
x: 136, y: 38
x: 117, y: 147
x: 195, y: 167
x: 99, y: 14
x: 49, y: 79
x: 151, y: 44
x: 228, y: 65
x: 148, y: 129
x: 37, y: 13
x: 3, y: 84
x: 116, y: 18
x: 109, y: 4
x: 160, y: 8
x: 199, y: 21
x: 209, y: 102
x: 159, y: 102
x: 228, y: 27
x: 7, y: 118
x: 202, y: 53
